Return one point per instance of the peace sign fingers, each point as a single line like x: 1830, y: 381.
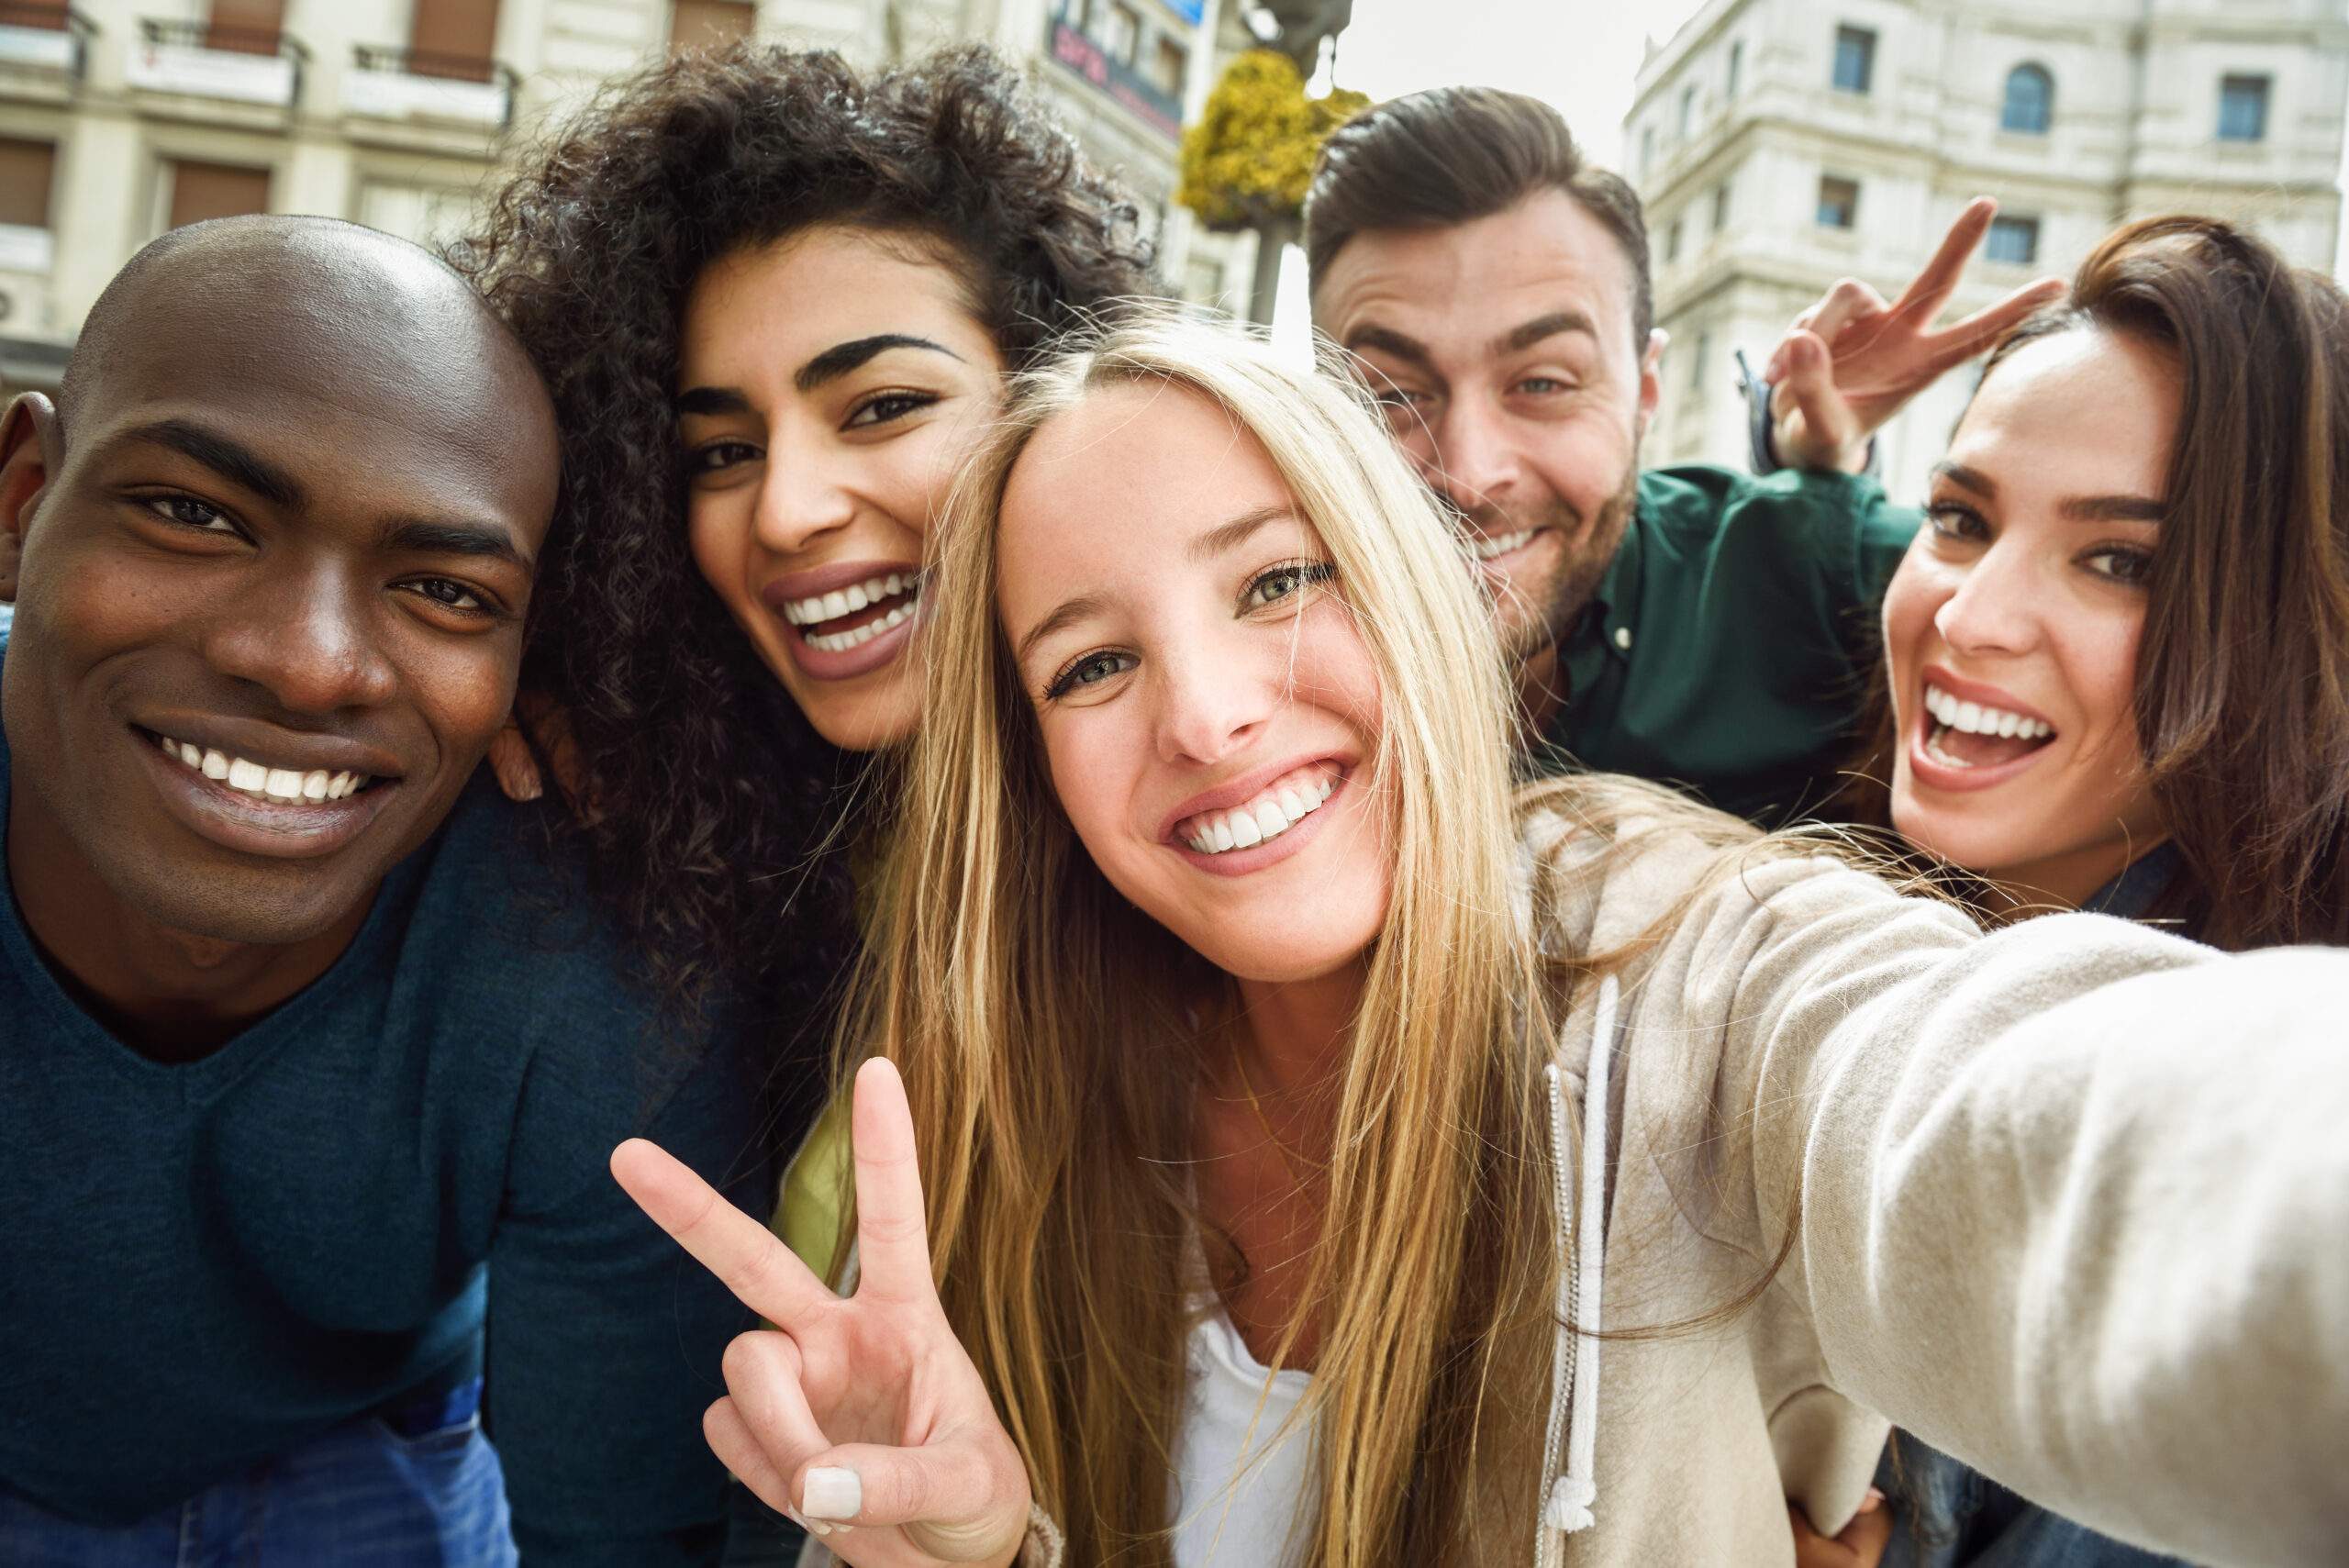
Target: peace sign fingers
x: 744, y: 1254
x: 891, y: 1226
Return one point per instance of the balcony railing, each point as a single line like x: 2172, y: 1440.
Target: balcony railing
x: 207, y: 59
x: 418, y: 84
x: 45, y: 38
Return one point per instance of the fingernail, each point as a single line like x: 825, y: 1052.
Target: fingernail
x: 831, y: 1493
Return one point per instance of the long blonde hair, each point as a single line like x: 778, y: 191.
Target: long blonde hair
x: 1045, y: 1029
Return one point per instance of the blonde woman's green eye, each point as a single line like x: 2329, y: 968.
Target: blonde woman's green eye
x: 1279, y: 583
x: 1090, y: 669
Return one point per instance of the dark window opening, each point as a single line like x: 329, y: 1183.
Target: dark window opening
x: 1854, y: 58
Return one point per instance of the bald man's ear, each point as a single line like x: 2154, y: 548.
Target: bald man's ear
x: 27, y: 448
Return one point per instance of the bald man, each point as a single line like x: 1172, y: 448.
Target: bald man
x: 311, y: 1051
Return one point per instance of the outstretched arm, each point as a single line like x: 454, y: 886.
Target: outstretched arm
x: 2074, y: 1206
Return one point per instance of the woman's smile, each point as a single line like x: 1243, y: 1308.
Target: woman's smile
x: 847, y: 619
x: 1254, y: 822
x: 1970, y: 736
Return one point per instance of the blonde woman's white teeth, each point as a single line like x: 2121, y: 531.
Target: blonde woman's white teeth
x: 1271, y: 820
x: 856, y: 599
x: 1220, y: 836
x: 1244, y: 832
x: 1291, y: 807
x: 893, y: 584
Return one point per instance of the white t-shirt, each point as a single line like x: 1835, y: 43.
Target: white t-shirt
x: 1241, y: 1470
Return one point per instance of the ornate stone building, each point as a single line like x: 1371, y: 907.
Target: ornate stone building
x: 1781, y: 144
x: 121, y: 118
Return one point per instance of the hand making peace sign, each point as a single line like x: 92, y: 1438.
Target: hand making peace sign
x: 862, y: 1415
x: 1851, y: 363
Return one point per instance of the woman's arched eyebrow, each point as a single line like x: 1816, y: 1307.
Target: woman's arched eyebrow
x: 2113, y: 509
x: 841, y: 358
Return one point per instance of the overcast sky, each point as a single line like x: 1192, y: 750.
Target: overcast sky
x: 1579, y: 54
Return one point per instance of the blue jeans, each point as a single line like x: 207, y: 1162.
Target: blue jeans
x: 1948, y: 1514
x: 417, y: 1488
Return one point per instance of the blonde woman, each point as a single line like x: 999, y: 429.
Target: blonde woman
x: 1332, y: 1160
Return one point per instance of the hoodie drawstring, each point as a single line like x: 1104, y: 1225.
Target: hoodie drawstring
x: 1574, y: 1385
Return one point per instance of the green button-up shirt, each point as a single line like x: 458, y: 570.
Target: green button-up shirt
x: 1728, y: 646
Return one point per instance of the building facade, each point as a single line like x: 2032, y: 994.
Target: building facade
x: 122, y: 118
x: 1782, y: 144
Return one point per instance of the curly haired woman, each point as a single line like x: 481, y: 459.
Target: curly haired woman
x: 773, y: 297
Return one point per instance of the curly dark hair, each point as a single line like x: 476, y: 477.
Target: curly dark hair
x: 714, y: 811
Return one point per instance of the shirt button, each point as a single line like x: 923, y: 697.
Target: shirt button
x: 1623, y: 638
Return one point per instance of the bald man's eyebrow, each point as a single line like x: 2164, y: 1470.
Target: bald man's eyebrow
x: 1386, y: 340
x: 838, y: 360
x: 224, y: 455
x: 1550, y: 325
x: 483, y: 540
x: 712, y: 400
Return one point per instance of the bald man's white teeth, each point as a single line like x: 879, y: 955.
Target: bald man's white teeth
x: 284, y: 785
x: 1289, y: 801
x: 1485, y: 548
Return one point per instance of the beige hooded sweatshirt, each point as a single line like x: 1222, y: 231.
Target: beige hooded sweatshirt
x: 2074, y: 1207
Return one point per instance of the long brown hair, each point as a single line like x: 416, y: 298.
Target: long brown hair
x: 2242, y: 670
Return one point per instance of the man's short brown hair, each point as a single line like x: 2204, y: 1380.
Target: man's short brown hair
x: 1451, y: 155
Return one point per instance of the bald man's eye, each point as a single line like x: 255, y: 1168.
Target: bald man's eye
x: 450, y: 594
x: 190, y: 513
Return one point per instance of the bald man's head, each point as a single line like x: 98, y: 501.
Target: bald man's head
x: 271, y: 568
x: 330, y: 292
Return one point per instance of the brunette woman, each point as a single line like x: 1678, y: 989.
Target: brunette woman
x: 1308, y: 1123
x: 2117, y: 656
x: 775, y: 298
x: 2118, y: 660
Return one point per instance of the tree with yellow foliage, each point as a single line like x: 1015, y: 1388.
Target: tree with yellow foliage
x: 1247, y: 162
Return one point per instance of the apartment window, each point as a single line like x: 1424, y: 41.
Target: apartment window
x: 2012, y: 239
x: 1854, y: 58
x: 245, y: 27
x: 1736, y: 66
x: 710, y: 24
x: 1647, y: 150
x: 1170, y: 62
x: 453, y: 38
x: 1672, y: 241
x: 1721, y: 207
x: 2030, y: 105
x: 1697, y: 364
x: 1839, y: 201
x: 215, y: 190
x: 2242, y: 108
x: 1118, y: 32
x: 1688, y: 109
x: 26, y: 170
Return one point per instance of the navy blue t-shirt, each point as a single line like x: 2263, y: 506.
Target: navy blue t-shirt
x: 399, y: 1169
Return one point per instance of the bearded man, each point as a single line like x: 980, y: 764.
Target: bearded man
x: 1693, y: 625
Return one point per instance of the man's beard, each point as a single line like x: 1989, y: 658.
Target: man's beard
x: 1590, y: 552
